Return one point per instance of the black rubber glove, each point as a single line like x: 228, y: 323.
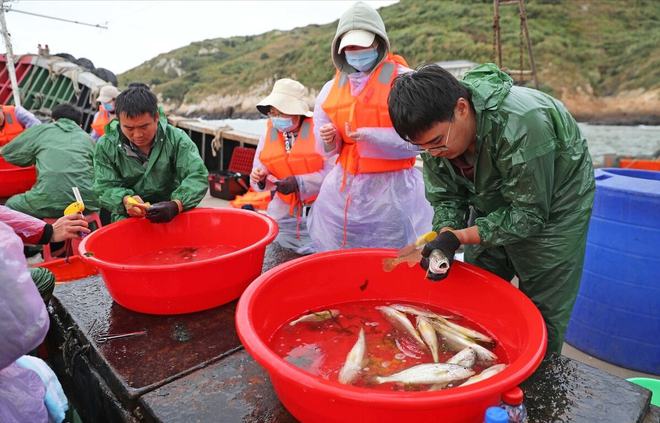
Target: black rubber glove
x: 287, y: 185
x: 447, y: 243
x: 163, y: 212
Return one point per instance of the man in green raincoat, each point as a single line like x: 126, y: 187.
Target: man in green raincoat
x: 63, y: 154
x: 142, y: 159
x: 508, y: 174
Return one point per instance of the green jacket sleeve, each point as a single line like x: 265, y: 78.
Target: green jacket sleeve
x: 191, y: 174
x: 525, y: 159
x: 108, y: 184
x: 22, y: 150
x: 448, y: 198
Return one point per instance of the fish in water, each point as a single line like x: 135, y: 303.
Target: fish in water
x: 457, y: 341
x: 354, y: 360
x: 485, y: 374
x: 427, y: 374
x: 317, y: 316
x: 418, y: 311
x: 465, y: 357
x: 470, y: 333
x: 430, y: 337
x: 401, y: 322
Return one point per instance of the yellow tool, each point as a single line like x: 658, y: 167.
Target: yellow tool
x: 78, y: 206
x: 133, y: 202
x: 410, y: 254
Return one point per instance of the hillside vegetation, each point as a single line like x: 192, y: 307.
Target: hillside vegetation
x: 602, y: 54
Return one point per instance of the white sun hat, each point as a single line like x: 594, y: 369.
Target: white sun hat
x: 356, y: 37
x: 288, y: 96
x: 107, y: 93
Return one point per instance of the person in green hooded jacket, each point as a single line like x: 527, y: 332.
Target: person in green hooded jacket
x: 508, y: 174
x: 63, y: 154
x: 143, y: 159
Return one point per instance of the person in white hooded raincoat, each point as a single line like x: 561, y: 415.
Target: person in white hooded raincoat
x: 374, y: 197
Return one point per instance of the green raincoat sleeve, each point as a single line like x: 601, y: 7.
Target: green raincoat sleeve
x: 22, y: 150
x: 525, y: 160
x: 191, y: 174
x: 109, y: 184
x: 447, y: 196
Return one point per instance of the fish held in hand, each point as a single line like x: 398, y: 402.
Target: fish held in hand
x: 430, y: 337
x: 428, y: 374
x: 317, y: 316
x: 401, y: 323
x: 354, y: 360
x: 485, y: 374
x: 410, y: 254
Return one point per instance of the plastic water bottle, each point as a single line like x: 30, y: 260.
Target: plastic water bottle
x: 512, y: 403
x: 496, y: 415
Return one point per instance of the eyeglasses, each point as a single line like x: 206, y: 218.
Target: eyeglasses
x: 440, y: 146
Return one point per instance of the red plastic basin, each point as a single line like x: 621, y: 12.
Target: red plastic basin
x: 181, y: 287
x: 15, y: 179
x: 76, y: 268
x: 319, y: 280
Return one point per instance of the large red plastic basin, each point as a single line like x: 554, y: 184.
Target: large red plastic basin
x: 15, y: 179
x: 319, y: 280
x: 182, y: 287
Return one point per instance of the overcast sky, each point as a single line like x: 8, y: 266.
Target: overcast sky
x: 140, y: 30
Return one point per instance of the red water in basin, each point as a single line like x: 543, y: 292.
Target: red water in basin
x: 14, y: 179
x: 320, y: 348
x: 319, y: 281
x: 127, y: 255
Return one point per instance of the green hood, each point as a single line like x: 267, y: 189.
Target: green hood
x: 359, y: 16
x: 489, y: 86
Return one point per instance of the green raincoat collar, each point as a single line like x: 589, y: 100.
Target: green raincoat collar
x: 67, y: 125
x: 488, y: 85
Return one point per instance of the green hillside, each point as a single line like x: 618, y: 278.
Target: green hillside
x: 599, y: 46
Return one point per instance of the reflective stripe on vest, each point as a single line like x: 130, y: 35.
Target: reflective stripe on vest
x: 301, y: 159
x: 101, y: 119
x: 367, y: 109
x: 12, y: 127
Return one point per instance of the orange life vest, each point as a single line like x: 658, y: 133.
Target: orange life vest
x: 101, y: 119
x: 12, y: 127
x: 302, y: 158
x: 368, y: 109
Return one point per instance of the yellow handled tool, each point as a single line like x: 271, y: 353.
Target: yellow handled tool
x: 133, y: 202
x: 78, y: 206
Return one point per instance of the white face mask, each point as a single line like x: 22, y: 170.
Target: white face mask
x: 362, y: 60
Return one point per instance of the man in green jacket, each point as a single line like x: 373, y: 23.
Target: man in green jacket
x: 508, y: 174
x: 143, y: 159
x: 63, y: 154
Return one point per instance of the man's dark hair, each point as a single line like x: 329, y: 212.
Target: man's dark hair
x: 137, y: 85
x: 67, y: 111
x: 421, y: 98
x: 136, y: 101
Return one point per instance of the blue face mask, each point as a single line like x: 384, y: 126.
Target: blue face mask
x: 362, y: 60
x: 109, y: 107
x: 282, y: 124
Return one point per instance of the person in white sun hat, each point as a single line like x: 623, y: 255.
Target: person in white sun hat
x: 289, y: 162
x: 374, y: 197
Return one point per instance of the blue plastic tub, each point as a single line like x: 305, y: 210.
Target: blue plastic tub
x: 617, y: 313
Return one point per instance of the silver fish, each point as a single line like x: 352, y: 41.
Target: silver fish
x: 418, y: 311
x: 470, y: 333
x: 317, y: 316
x: 438, y: 263
x: 429, y: 335
x: 485, y: 374
x: 457, y: 341
x: 465, y: 357
x: 354, y: 360
x: 401, y: 322
x: 427, y: 374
